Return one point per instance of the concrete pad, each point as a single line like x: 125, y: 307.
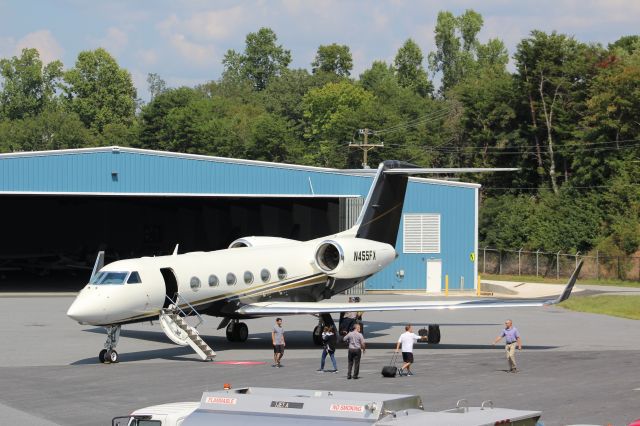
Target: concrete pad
x: 575, y: 367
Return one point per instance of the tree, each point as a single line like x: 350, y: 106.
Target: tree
x: 262, y: 60
x: 332, y: 113
x: 552, y: 72
x: 409, y: 69
x: 99, y: 91
x: 334, y: 59
x: 154, y: 133
x: 28, y: 87
x: 156, y: 84
x: 52, y: 129
x: 456, y: 46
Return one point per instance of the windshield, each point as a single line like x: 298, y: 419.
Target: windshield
x: 105, y: 278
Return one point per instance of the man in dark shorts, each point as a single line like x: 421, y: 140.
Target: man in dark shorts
x: 407, y: 339
x: 277, y: 339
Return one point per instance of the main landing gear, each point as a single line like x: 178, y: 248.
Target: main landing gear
x: 237, y: 331
x: 109, y: 355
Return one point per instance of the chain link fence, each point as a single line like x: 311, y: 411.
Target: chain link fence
x: 557, y: 265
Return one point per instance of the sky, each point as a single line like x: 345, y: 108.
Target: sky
x: 184, y: 41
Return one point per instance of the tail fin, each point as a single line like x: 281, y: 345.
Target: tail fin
x: 379, y: 218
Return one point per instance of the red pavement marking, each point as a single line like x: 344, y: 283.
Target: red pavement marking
x: 240, y: 362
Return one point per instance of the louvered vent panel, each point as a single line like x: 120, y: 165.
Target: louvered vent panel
x: 421, y: 233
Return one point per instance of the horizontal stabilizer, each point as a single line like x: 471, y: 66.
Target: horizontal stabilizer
x: 429, y: 171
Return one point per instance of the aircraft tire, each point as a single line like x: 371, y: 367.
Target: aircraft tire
x: 433, y: 335
x: 231, y: 334
x: 241, y: 332
x: 101, y: 356
x: 112, y: 356
x: 317, y: 335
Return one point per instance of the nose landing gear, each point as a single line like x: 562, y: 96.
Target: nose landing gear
x: 109, y: 355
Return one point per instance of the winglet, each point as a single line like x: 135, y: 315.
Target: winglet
x: 567, y: 290
x: 175, y: 250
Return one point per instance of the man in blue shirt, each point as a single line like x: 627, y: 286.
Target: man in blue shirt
x: 512, y: 338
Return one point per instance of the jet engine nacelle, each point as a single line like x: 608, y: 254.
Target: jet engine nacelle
x: 260, y: 242
x: 353, y: 257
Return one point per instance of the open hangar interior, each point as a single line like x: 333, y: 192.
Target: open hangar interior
x: 52, y: 240
x: 61, y: 207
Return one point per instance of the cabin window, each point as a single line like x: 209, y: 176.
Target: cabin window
x: 282, y: 273
x: 248, y: 277
x: 195, y: 283
x: 134, y: 278
x: 213, y: 281
x: 265, y: 275
x: 231, y: 279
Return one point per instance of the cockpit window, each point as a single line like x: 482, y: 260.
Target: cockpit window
x: 105, y: 278
x: 134, y: 278
x: 96, y: 278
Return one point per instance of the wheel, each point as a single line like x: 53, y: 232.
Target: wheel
x: 317, y: 335
x: 231, y: 335
x: 241, y: 332
x: 433, y: 335
x: 112, y: 356
x: 101, y: 355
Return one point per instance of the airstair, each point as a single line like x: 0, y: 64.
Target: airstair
x: 173, y: 320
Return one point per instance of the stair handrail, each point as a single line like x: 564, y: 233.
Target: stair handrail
x: 193, y: 312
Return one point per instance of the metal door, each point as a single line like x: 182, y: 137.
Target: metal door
x: 434, y: 275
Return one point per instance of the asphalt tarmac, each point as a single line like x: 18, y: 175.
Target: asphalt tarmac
x: 575, y: 367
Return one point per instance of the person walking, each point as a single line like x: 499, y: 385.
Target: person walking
x: 407, y: 339
x: 329, y: 340
x: 356, y: 348
x: 277, y: 339
x: 512, y: 338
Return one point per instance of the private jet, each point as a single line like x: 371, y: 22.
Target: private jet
x: 264, y: 276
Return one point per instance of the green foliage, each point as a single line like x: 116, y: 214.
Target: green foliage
x: 567, y: 118
x: 99, y: 91
x: 28, y: 86
x: 334, y: 58
x: 52, y: 129
x: 409, y: 69
x: 262, y: 60
x: 331, y: 113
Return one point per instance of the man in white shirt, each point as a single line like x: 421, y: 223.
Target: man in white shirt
x: 407, y: 339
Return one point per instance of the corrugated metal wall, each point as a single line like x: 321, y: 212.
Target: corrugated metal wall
x: 126, y: 170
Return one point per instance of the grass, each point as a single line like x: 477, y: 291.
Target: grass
x: 617, y: 306
x: 534, y: 279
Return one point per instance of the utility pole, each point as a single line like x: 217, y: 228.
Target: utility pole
x: 365, y: 146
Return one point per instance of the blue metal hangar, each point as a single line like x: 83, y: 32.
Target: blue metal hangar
x: 59, y: 208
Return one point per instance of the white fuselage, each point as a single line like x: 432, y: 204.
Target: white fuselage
x: 218, y: 282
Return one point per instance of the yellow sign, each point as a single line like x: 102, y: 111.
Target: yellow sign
x: 472, y: 257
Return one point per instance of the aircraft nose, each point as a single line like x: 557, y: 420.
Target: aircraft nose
x: 82, y: 310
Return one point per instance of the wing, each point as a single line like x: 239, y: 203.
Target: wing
x: 292, y: 308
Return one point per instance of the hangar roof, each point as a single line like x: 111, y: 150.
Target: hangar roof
x: 132, y: 171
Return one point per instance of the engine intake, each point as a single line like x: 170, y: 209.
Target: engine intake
x: 329, y: 256
x: 352, y: 257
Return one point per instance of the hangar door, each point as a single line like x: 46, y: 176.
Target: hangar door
x: 52, y: 240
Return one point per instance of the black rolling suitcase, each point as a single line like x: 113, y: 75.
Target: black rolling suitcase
x: 390, y: 370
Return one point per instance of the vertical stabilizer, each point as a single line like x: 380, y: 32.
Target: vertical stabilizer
x: 380, y: 217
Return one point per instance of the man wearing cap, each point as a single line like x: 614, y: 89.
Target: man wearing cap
x: 512, y: 338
